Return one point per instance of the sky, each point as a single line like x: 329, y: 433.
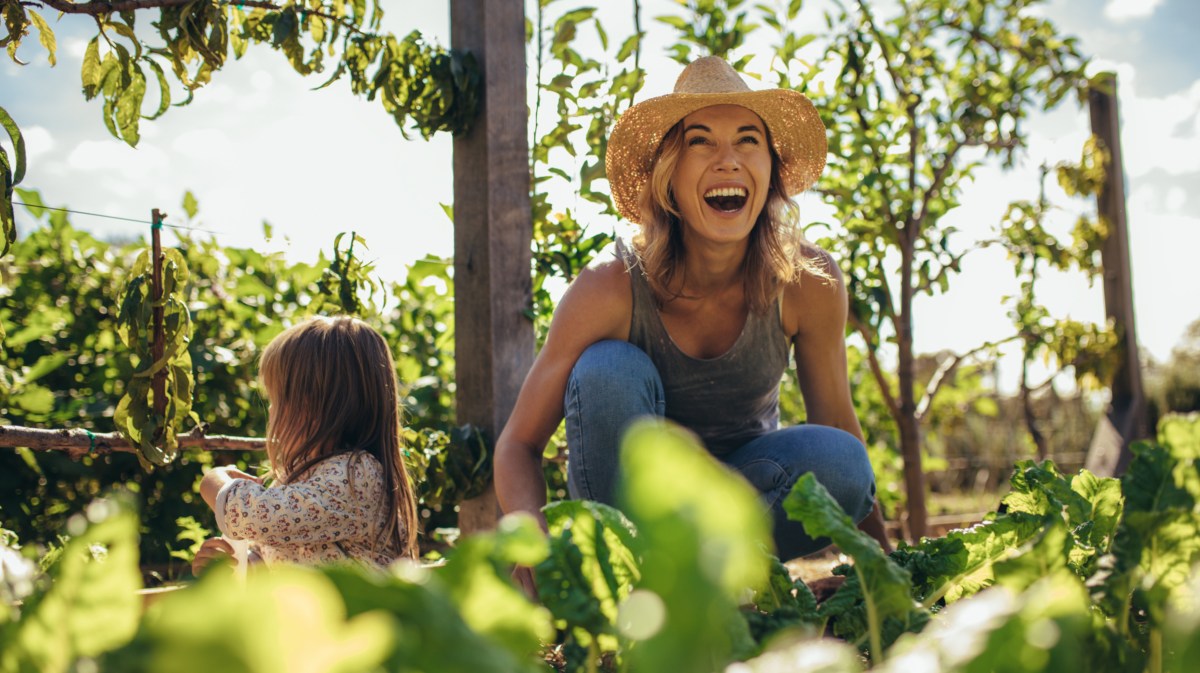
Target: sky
x: 258, y: 144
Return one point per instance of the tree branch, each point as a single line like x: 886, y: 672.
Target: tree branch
x: 79, y: 443
x: 888, y: 398
x: 948, y: 366
x: 99, y: 7
x: 939, y: 177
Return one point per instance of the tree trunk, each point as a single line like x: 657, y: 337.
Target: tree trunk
x: 910, y: 435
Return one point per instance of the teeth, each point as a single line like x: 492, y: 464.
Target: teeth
x: 726, y: 191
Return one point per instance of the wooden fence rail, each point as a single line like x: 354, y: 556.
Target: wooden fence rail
x: 80, y: 443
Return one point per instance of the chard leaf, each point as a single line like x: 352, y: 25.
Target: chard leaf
x: 886, y: 587
x: 1157, y: 540
x: 91, y: 605
x: 591, y: 565
x: 701, y: 531
x: 477, y: 580
x: 960, y: 564
x: 1042, y: 630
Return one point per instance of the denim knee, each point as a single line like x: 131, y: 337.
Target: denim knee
x: 612, y: 383
x: 613, y: 368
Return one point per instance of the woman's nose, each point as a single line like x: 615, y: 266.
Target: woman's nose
x: 727, y: 159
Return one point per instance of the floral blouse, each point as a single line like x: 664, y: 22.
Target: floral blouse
x: 316, y: 520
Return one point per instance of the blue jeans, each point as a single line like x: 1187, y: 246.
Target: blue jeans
x: 614, y: 383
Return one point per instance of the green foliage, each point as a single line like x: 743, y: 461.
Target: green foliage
x: 11, y: 172
x: 431, y: 87
x: 86, y: 604
x: 149, y: 424
x: 884, y: 587
x: 684, y: 613
x: 672, y: 586
x: 589, y: 571
x: 64, y: 366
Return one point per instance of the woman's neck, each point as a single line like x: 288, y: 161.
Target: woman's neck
x: 710, y: 269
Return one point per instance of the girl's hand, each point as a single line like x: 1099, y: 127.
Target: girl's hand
x: 212, y: 549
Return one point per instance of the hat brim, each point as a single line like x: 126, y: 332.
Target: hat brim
x: 796, y: 130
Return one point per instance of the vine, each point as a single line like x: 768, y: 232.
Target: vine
x: 156, y: 327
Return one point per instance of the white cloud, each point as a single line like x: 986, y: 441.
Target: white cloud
x: 1156, y: 133
x: 38, y: 142
x: 209, y: 144
x: 1124, y: 10
x: 116, y: 159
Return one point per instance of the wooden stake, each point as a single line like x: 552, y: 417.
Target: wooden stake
x: 158, y: 384
x: 1125, y: 419
x: 493, y: 225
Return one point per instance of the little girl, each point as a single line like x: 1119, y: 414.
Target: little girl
x: 340, y: 490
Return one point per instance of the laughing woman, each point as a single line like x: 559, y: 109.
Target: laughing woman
x: 696, y: 319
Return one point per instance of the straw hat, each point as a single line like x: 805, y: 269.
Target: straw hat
x: 795, y: 127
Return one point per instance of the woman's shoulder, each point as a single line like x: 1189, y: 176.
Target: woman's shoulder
x: 817, y: 294
x: 605, y: 278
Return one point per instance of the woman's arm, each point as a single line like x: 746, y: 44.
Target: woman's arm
x: 815, y: 314
x: 597, y: 306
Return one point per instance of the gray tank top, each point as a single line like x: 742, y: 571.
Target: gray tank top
x: 727, y: 400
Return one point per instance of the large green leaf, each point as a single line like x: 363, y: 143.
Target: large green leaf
x: 591, y: 566
x: 287, y: 619
x: 886, y: 587
x: 477, y: 579
x: 701, y: 531
x: 91, y: 604
x: 1043, y: 630
x: 430, y: 632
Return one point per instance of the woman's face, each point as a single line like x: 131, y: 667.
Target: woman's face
x: 721, y: 179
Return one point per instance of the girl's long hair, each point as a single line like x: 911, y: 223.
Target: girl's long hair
x: 332, y: 387
x: 776, y: 255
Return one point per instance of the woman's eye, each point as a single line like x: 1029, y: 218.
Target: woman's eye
x: 697, y: 140
x: 748, y: 139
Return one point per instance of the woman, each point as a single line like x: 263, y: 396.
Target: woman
x: 696, y: 320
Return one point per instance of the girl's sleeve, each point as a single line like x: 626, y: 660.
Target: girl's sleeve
x: 320, y: 508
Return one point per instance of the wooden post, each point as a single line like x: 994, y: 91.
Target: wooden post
x: 158, y: 384
x: 492, y: 231
x: 1125, y: 419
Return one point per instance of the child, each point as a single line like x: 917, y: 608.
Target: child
x: 340, y: 490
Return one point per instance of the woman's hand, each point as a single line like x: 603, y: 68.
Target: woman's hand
x: 211, y: 550
x: 523, y: 576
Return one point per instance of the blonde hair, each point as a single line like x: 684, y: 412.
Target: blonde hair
x: 776, y: 253
x: 332, y: 387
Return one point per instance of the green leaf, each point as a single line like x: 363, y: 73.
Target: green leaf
x: 961, y: 563
x: 1045, y: 629
x: 18, y: 141
x: 164, y: 89
x: 886, y: 587
x: 190, y: 206
x: 429, y: 631
x: 477, y: 580
x: 91, y: 605
x: 91, y: 69
x: 45, y: 365
x: 34, y: 399
x: 45, y: 35
x: 591, y: 565
x: 701, y: 533
x: 290, y: 618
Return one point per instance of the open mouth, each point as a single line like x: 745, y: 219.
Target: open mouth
x: 727, y: 199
